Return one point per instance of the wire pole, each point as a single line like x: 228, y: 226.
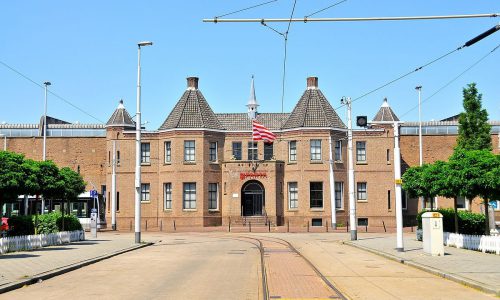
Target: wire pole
x: 113, y: 188
x: 397, y: 182
x: 305, y: 19
x: 352, y: 202
x: 332, y: 186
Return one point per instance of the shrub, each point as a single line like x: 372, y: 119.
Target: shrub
x: 468, y: 222
x: 52, y: 222
x: 20, y: 225
x: 71, y: 223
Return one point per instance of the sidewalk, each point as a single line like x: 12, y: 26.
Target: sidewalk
x: 21, y: 268
x: 471, y: 268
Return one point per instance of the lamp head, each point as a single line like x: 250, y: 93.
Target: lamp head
x: 418, y: 87
x: 145, y: 43
x: 47, y: 83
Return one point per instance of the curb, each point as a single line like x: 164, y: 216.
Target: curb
x: 459, y: 279
x: 66, y: 269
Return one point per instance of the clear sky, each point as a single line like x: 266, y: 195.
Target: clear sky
x: 88, y: 50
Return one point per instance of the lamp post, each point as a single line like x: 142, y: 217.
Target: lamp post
x: 421, y: 159
x: 352, y: 203
x: 4, y: 141
x: 45, y: 127
x: 397, y: 183
x: 138, y: 147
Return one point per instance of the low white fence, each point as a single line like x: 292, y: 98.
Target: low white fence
x: 484, y: 243
x: 30, y: 242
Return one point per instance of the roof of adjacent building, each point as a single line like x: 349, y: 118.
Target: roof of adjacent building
x: 385, y: 113
x: 241, y: 121
x: 120, y: 117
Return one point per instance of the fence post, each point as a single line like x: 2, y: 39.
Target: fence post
x: 327, y: 226
x: 288, y: 226
x: 146, y: 225
x: 385, y: 230
x: 161, y: 225
x: 347, y: 227
x: 269, y: 226
x: 130, y: 225
x: 307, y: 225
x: 229, y: 224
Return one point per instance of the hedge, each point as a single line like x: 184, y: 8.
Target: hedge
x: 20, y: 225
x: 468, y: 222
x: 46, y: 223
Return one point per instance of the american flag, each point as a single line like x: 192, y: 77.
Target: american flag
x: 259, y: 132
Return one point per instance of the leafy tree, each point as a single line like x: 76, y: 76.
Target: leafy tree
x: 11, y: 175
x: 419, y: 182
x: 73, y: 185
x: 449, y: 184
x: 473, y: 129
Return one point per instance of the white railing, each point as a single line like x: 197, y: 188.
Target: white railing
x: 484, y: 243
x: 30, y: 242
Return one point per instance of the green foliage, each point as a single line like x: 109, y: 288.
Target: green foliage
x: 52, y: 222
x: 73, y: 184
x: 20, y: 225
x: 71, y: 223
x: 468, y: 222
x: 11, y: 175
x: 474, y: 132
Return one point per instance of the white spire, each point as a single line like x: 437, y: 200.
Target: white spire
x: 385, y: 103
x: 120, y: 104
x: 252, y: 102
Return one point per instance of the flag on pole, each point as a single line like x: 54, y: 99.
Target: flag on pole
x: 259, y: 132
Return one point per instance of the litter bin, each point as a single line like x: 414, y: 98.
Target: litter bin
x: 432, y: 230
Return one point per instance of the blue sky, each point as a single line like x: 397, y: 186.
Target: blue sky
x: 88, y: 51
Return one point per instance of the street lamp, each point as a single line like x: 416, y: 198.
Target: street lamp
x: 138, y: 146
x: 46, y: 83
x: 419, y: 89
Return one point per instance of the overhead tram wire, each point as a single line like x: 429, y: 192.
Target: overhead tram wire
x: 284, y: 58
x: 467, y: 44
x: 323, y: 9
x: 454, y: 79
x: 243, y: 9
x: 52, y: 93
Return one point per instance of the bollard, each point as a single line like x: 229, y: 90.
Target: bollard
x: 308, y: 226
x: 161, y: 225
x: 269, y: 226
x: 250, y: 226
x: 229, y: 224
x: 130, y: 225
x: 146, y: 225
x: 288, y: 226
x: 347, y: 227
x: 175, y: 229
x: 366, y: 228
x: 326, y: 226
x: 385, y: 230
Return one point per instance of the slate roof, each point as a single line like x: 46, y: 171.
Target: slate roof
x: 121, y: 117
x: 241, y: 121
x: 385, y: 113
x: 191, y: 111
x: 313, y: 110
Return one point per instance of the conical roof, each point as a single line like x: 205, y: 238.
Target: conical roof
x: 120, y: 118
x: 385, y: 113
x: 191, y: 111
x: 313, y: 110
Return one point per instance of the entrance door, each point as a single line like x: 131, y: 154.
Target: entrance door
x: 253, y: 199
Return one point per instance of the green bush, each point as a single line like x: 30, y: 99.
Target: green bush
x: 71, y: 223
x: 52, y: 222
x: 468, y: 222
x: 20, y: 225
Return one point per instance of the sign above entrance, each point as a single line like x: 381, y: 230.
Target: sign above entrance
x: 245, y: 175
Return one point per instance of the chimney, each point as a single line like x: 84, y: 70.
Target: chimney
x: 312, y: 83
x: 192, y: 83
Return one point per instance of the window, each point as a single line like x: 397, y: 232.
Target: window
x: 117, y: 201
x: 315, y: 149
x: 293, y: 195
x: 167, y: 195
x: 268, y: 151
x: 292, y: 151
x: 316, y: 194
x: 461, y: 202
x: 168, y: 152
x: 189, y: 196
x: 252, y: 151
x: 388, y: 156
x: 389, y: 199
x: 212, y: 152
x: 212, y: 195
x: 362, y: 221
x: 117, y: 157
x: 361, y: 151
x: 317, y: 222
x: 361, y: 191
x: 237, y: 150
x: 339, y: 195
x: 145, y: 187
x: 145, y: 153
x: 404, y: 200
x: 189, y: 149
x: 338, y: 150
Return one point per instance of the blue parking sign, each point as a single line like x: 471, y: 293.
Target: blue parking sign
x: 494, y: 204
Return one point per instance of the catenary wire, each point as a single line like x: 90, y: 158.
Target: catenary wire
x: 54, y: 94
x: 454, y: 79
x: 323, y: 9
x: 284, y: 57
x: 243, y: 9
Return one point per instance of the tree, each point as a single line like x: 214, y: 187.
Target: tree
x: 11, y: 176
x: 73, y: 185
x: 473, y: 129
x: 418, y: 182
x: 449, y: 184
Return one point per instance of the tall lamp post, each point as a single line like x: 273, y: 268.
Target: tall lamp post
x: 4, y: 141
x: 421, y: 160
x: 138, y: 146
x: 45, y: 127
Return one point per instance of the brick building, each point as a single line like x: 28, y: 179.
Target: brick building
x: 202, y: 168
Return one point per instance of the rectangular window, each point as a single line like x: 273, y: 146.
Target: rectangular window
x: 268, y: 151
x: 361, y: 194
x: 237, y: 150
x: 404, y: 200
x: 338, y: 150
x: 117, y: 157
x: 117, y: 201
x: 388, y: 156
x: 212, y: 152
x: 145, y: 187
x: 361, y: 151
x: 316, y: 194
x: 339, y: 195
x: 460, y: 202
x: 189, y: 150
x: 292, y: 150
x: 389, y: 199
x: 315, y: 149
x: 362, y: 221
x: 168, y: 152
x: 293, y: 195
x: 145, y: 153
x: 167, y: 190
x: 252, y: 151
x: 189, y: 196
x: 212, y: 196
x: 317, y: 222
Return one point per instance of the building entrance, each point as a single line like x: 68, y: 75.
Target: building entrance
x: 252, y: 200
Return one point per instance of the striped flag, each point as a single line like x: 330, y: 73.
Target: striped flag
x: 259, y: 132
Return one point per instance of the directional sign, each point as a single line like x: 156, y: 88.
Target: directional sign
x: 93, y: 193
x: 494, y: 204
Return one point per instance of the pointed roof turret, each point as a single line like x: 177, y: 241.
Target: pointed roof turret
x: 120, y: 118
x: 385, y: 114
x: 313, y: 110
x: 192, y: 110
x: 252, y: 102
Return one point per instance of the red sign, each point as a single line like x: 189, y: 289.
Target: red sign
x: 244, y: 175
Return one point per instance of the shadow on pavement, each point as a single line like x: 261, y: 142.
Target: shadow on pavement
x: 8, y: 256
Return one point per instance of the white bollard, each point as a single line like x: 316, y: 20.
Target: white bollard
x: 432, y: 229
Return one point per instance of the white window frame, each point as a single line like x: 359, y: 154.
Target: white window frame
x: 338, y: 150
x: 210, y: 194
x: 240, y: 150
x: 358, y: 191
x: 253, y: 150
x: 295, y: 192
x: 167, y: 196
x: 145, y: 192
x: 189, y: 151
x: 361, y: 151
x: 168, y: 151
x: 145, y: 153
x: 189, y: 192
x: 212, y: 156
x: 322, y: 195
x: 315, y: 150
x: 292, y: 151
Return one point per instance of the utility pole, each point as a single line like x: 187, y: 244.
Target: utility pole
x: 352, y: 202
x: 113, y: 188
x: 397, y: 182
x: 332, y: 186
x: 45, y: 127
x: 421, y: 160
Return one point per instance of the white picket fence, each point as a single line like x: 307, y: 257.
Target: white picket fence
x: 30, y: 242
x: 484, y: 243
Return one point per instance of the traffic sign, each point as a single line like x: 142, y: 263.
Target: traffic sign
x: 494, y: 204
